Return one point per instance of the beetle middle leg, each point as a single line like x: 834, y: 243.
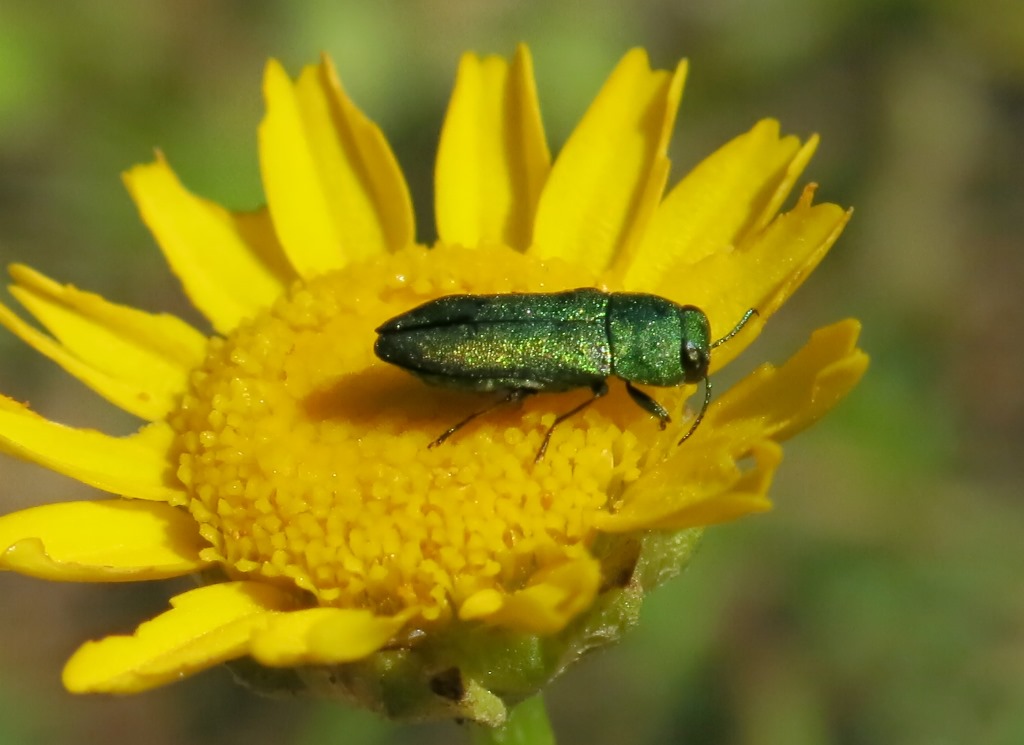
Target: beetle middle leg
x: 599, y: 389
x: 516, y: 394
x: 648, y: 404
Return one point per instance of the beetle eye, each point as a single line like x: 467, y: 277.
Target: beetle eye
x: 695, y: 361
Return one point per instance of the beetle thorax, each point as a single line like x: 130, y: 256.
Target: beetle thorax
x: 645, y: 332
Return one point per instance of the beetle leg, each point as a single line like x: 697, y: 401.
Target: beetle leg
x: 599, y: 389
x: 648, y: 404
x: 516, y: 394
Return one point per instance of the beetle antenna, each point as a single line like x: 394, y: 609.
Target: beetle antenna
x: 700, y: 414
x: 736, y: 329
x: 707, y: 381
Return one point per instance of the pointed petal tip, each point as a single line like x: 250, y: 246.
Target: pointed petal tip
x: 639, y: 58
x: 131, y: 175
x: 276, y: 83
x: 636, y: 56
x: 273, y: 67
x: 682, y: 70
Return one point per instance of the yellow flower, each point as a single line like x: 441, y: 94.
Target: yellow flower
x: 288, y: 467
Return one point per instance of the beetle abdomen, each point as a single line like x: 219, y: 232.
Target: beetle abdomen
x: 495, y: 355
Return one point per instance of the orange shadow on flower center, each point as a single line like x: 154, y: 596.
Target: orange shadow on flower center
x: 384, y: 396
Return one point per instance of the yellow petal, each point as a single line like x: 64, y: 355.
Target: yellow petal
x: 146, y: 404
x: 204, y: 627
x: 554, y: 597
x: 323, y: 636
x: 136, y: 360
x: 230, y: 265
x: 785, y: 400
x: 699, y: 486
x: 612, y: 170
x: 493, y: 159
x: 761, y: 274
x: 735, y: 190
x: 134, y: 466
x: 103, y: 541
x: 333, y: 186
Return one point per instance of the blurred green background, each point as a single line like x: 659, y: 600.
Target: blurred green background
x: 881, y: 602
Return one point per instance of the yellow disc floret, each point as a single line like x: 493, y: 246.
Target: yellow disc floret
x: 306, y: 458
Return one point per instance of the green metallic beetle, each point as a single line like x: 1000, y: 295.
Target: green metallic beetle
x: 525, y: 343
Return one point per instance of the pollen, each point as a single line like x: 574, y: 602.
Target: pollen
x: 307, y: 459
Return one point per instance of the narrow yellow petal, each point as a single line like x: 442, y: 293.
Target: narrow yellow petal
x: 136, y: 360
x: 167, y: 337
x: 204, y: 627
x: 669, y: 497
x: 612, y: 170
x: 103, y: 541
x: 493, y: 158
x: 142, y: 403
x: 135, y: 466
x: 785, y: 400
x: 230, y: 265
x: 553, y: 598
x: 736, y: 189
x: 333, y: 186
x: 323, y: 636
x: 760, y: 274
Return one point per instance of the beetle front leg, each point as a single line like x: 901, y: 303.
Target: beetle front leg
x: 648, y: 404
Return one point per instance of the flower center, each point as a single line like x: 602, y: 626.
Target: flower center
x: 307, y: 459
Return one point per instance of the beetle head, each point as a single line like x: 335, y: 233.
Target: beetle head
x: 694, y: 344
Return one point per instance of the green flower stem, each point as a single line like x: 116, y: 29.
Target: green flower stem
x: 527, y: 724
